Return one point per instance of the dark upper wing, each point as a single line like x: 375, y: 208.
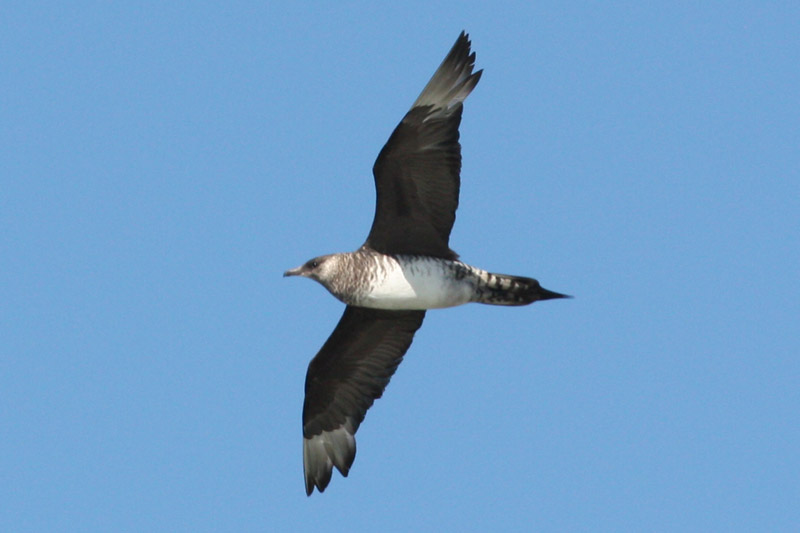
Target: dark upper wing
x: 417, y: 172
x: 346, y: 376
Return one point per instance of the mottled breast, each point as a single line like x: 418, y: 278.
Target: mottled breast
x: 412, y: 282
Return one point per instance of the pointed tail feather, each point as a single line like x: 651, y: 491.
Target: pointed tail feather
x: 503, y: 289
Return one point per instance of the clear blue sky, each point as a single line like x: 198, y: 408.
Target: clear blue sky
x: 163, y: 163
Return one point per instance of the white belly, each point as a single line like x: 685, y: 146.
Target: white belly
x: 419, y: 284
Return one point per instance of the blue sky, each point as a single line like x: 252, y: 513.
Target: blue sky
x: 162, y: 165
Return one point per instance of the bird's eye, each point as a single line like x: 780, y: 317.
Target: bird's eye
x: 313, y: 264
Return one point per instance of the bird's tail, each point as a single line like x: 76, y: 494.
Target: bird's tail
x: 502, y: 289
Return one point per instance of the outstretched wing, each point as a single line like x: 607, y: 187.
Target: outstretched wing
x: 346, y: 376
x: 417, y: 171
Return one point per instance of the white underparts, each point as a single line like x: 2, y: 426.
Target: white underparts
x: 406, y: 283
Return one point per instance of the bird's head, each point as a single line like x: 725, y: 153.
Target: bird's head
x: 321, y: 269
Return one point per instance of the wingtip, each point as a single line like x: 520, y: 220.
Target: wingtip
x: 326, y: 450
x: 320, y: 483
x: 452, y: 82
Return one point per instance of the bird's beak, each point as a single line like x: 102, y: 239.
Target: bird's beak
x: 293, y: 272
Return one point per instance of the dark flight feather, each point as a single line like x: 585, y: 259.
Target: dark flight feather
x: 417, y: 173
x: 350, y: 371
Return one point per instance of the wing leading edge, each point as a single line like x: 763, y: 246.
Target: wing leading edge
x: 350, y: 371
x: 417, y: 173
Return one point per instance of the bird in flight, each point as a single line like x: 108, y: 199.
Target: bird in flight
x: 405, y: 267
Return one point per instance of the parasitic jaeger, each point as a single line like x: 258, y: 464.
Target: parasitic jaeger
x: 404, y: 268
